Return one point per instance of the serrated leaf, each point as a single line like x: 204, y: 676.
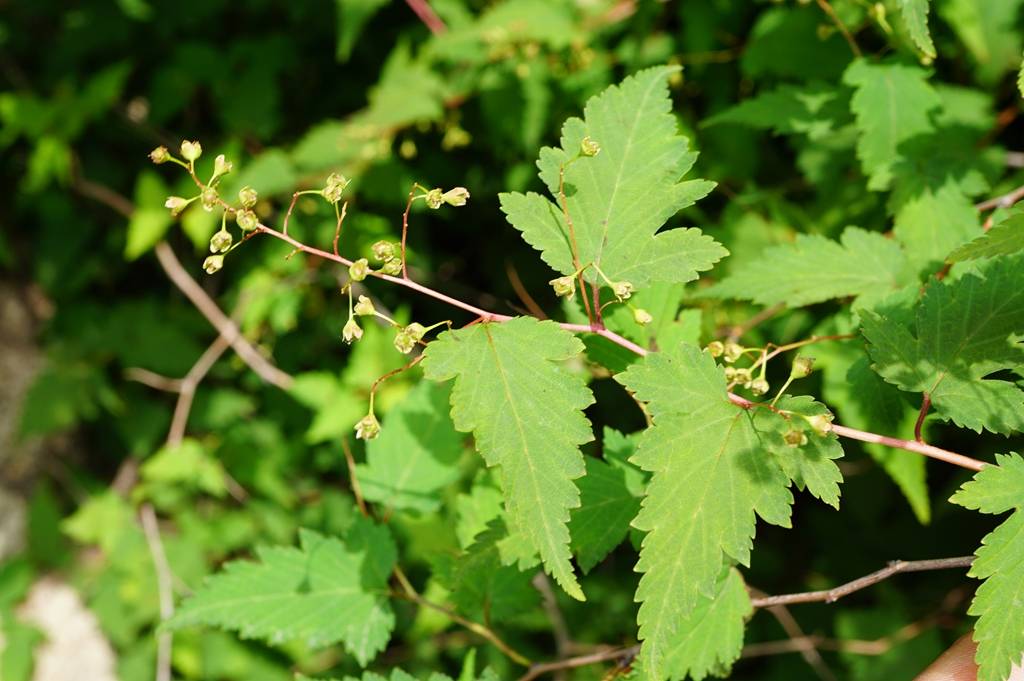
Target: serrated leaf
x: 711, y: 476
x: 815, y: 110
x: 1000, y: 562
x: 526, y: 413
x: 150, y: 220
x: 325, y: 592
x: 416, y: 454
x: 352, y: 17
x: 710, y: 638
x: 915, y: 15
x: 1004, y: 238
x: 891, y: 104
x: 619, y: 199
x: 959, y: 334
x: 610, y: 496
x: 813, y: 269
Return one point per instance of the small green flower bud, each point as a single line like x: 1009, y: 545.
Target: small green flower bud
x: 565, y: 287
x: 716, y: 348
x: 622, y: 289
x: 210, y: 199
x: 589, y: 147
x: 759, y: 386
x: 416, y: 330
x: 456, y: 197
x: 742, y: 376
x: 220, y: 242
x: 392, y: 267
x: 820, y: 423
x: 359, y: 269
x: 383, y: 251
x: 351, y: 331
x: 730, y: 374
x: 732, y: 351
x: 795, y: 438
x: 160, y: 155
x: 213, y: 264
x: 364, y: 307
x: 221, y: 166
x: 246, y: 219
x: 802, y: 367
x: 191, y: 151
x: 367, y: 428
x: 434, y: 198
x: 334, y: 187
x: 176, y: 204
x: 642, y: 317
x: 248, y: 197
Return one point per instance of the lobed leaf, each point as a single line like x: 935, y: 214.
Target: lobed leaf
x: 1004, y: 238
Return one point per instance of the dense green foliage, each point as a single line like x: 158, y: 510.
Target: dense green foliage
x: 694, y: 198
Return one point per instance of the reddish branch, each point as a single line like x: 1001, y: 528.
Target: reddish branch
x: 427, y: 15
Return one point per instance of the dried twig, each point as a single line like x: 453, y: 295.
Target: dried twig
x: 164, y: 580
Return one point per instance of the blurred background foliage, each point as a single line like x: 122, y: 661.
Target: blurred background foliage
x: 292, y: 91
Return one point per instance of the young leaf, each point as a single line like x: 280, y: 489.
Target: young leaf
x: 1005, y: 237
x: 526, y: 413
x: 610, y: 496
x: 619, y: 199
x: 325, y: 592
x: 915, y: 15
x: 416, y: 454
x: 711, y: 476
x: 814, y: 269
x: 961, y: 332
x: 710, y: 638
x: 1000, y: 562
x: 814, y: 110
x: 892, y: 104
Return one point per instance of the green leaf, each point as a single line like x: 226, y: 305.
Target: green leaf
x: 1000, y: 562
x: 610, y: 496
x: 1005, y: 237
x: 710, y: 638
x: 18, y: 642
x: 186, y: 464
x: 710, y: 478
x: 959, y: 334
x: 915, y: 15
x: 151, y: 220
x: 326, y: 592
x: 813, y: 269
x: 619, y: 199
x: 989, y: 32
x: 526, y: 413
x: 815, y: 110
x: 416, y: 454
x: 891, y: 104
x: 352, y: 17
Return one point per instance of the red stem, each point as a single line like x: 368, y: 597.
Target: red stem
x: 427, y: 15
x: 926, y: 404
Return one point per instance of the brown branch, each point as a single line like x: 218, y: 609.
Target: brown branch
x: 1004, y: 201
x: 563, y: 640
x: 521, y: 292
x: 792, y: 628
x: 827, y: 9
x: 164, y: 580
x: 427, y: 15
x: 187, y: 389
x: 152, y: 379
x: 894, y: 568
x: 739, y: 330
x: 580, y: 661
x: 926, y: 404
x: 357, y: 491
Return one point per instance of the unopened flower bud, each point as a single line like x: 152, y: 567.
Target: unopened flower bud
x: 622, y: 289
x: 732, y: 351
x: 820, y: 423
x: 160, y: 155
x: 759, y: 386
x: 383, y: 251
x: 209, y: 199
x: 795, y: 438
x: 213, y: 264
x: 730, y: 374
x: 246, y: 219
x: 220, y: 242
x: 456, y: 197
x: 742, y: 376
x: 392, y: 267
x: 367, y: 428
x: 351, y: 331
x: 248, y: 197
x: 434, y: 198
x: 191, y: 151
x: 589, y: 147
x: 802, y: 367
x: 176, y: 204
x: 716, y: 348
x: 221, y: 166
x: 334, y: 187
x: 364, y: 307
x: 416, y: 330
x: 359, y: 269
x: 642, y: 316
x: 565, y: 287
